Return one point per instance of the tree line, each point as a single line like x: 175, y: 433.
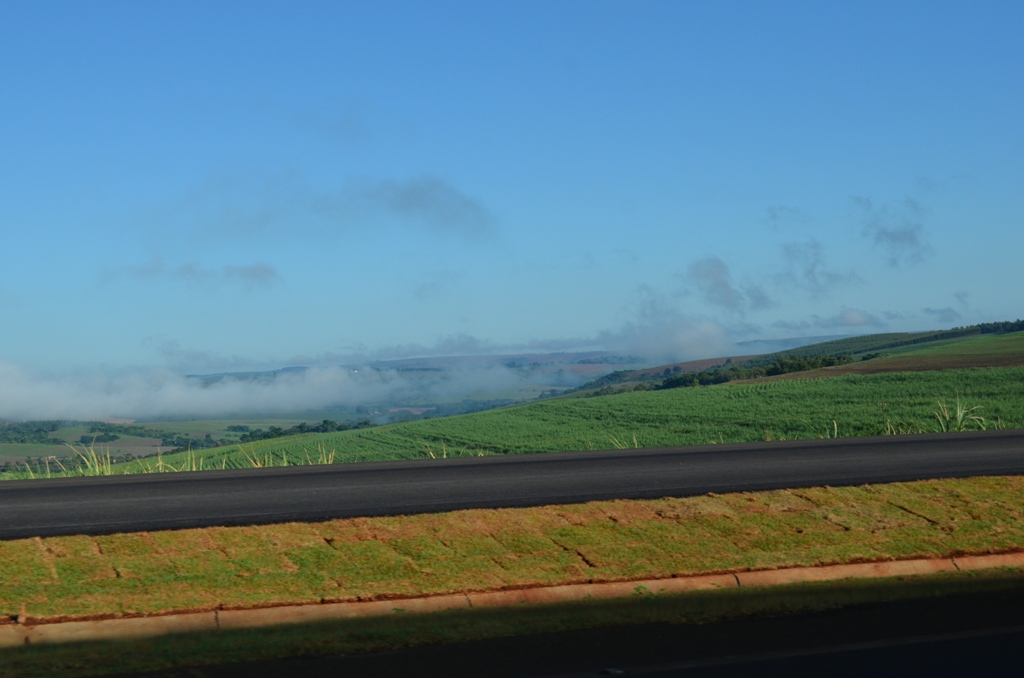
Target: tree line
x: 30, y: 432
x: 326, y: 426
x: 726, y: 373
x: 730, y: 371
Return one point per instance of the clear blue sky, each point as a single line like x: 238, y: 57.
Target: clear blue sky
x: 204, y: 186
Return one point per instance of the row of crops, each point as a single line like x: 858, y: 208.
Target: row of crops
x: 851, y: 405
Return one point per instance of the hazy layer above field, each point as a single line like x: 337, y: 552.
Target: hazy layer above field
x: 384, y: 392
x: 773, y: 410
x: 363, y: 390
x: 491, y: 549
x: 631, y: 420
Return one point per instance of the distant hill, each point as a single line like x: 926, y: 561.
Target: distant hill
x: 581, y: 362
x: 432, y: 386
x: 763, y: 346
x: 830, y: 354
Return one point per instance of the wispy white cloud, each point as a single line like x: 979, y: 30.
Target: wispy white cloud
x: 947, y: 315
x: 711, y: 276
x: 437, y: 283
x: 847, y: 318
x: 778, y: 217
x: 460, y: 344
x: 135, y: 394
x: 162, y: 393
x: 248, y: 275
x: 804, y: 269
x: 254, y: 275
x: 757, y: 298
x: 898, y: 232
x: 659, y: 332
x: 347, y: 120
x: 184, y: 359
x: 713, y: 280
x: 426, y: 200
x: 290, y: 206
x: 807, y: 269
x: 656, y: 331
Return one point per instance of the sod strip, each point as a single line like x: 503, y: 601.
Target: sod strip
x: 25, y: 633
x: 68, y: 578
x: 1000, y: 588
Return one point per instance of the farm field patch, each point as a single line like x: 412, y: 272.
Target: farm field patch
x: 972, y: 352
x: 900, y: 391
x: 773, y: 409
x: 479, y: 550
x: 69, y: 443
x: 850, y: 405
x: 1010, y: 344
x: 19, y: 451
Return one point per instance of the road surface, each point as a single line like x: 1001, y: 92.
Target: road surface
x: 308, y: 493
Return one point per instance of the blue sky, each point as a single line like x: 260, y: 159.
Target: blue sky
x: 197, y: 186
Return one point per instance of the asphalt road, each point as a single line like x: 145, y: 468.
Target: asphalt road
x: 206, y: 498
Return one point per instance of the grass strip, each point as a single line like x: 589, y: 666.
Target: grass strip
x: 403, y: 631
x: 81, y: 577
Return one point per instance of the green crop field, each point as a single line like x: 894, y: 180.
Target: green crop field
x: 856, y: 345
x: 201, y: 569
x: 67, y: 441
x: 910, y: 343
x: 986, y: 344
x: 974, y: 351
x: 899, y: 393
x: 850, y: 405
x: 19, y: 451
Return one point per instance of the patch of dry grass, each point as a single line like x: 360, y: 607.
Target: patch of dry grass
x: 146, y: 573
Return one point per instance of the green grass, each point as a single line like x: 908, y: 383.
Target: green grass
x: 977, y: 345
x: 777, y: 409
x: 861, y: 344
x: 403, y: 630
x: 485, y: 549
x: 21, y: 450
x: 894, y: 342
x: 782, y: 409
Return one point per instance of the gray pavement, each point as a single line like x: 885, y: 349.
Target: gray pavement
x: 207, y: 498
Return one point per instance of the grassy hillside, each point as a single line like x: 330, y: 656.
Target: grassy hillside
x: 19, y: 451
x: 986, y: 350
x: 873, y: 343
x: 899, y: 391
x: 863, y: 344
x: 1010, y: 344
x: 962, y: 347
x: 771, y: 410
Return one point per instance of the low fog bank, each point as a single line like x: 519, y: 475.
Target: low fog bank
x: 157, y: 393
x: 142, y: 394
x: 657, y: 335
